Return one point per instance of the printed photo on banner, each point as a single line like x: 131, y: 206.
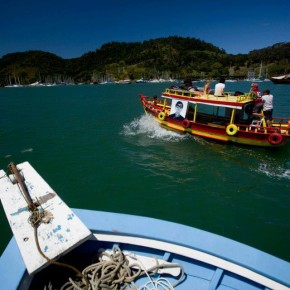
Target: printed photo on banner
x: 178, y: 110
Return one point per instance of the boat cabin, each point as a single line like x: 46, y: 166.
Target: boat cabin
x: 207, y: 108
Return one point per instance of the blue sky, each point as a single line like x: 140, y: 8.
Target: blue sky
x: 70, y: 28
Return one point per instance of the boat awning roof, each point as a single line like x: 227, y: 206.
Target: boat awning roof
x: 228, y: 100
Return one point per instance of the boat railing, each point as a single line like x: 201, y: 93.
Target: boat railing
x: 157, y: 103
x: 199, y: 94
x: 182, y: 93
x: 263, y: 128
x: 281, y: 121
x: 255, y: 128
x: 244, y: 97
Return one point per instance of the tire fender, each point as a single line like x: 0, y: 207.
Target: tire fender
x: 275, y: 139
x: 232, y: 129
x: 161, y: 116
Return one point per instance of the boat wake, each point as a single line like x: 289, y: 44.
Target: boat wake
x: 262, y: 162
x: 274, y: 171
x: 145, y: 125
x: 148, y: 132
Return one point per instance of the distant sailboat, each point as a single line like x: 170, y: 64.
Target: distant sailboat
x: 16, y: 82
x: 230, y: 79
x: 266, y: 79
x: 260, y: 72
x: 251, y: 76
x: 262, y: 76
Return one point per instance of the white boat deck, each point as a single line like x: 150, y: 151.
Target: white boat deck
x: 63, y: 230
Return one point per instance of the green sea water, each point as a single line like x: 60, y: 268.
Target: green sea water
x: 98, y: 150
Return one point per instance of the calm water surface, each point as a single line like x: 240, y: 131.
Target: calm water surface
x: 97, y: 150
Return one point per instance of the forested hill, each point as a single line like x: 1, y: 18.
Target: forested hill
x: 174, y: 57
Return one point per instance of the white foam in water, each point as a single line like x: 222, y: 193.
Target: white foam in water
x: 286, y: 174
x: 274, y: 171
x: 145, y: 125
x: 27, y: 150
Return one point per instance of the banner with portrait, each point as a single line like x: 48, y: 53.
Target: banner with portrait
x: 178, y: 109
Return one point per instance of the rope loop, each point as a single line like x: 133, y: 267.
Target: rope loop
x: 113, y: 272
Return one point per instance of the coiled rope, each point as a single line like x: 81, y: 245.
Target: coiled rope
x: 114, y: 273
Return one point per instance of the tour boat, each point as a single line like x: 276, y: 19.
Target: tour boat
x: 56, y: 247
x: 228, y: 118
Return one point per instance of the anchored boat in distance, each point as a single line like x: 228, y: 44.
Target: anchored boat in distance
x: 283, y: 80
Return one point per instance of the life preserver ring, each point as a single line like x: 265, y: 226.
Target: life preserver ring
x: 185, y: 123
x: 161, y: 116
x: 275, y: 138
x: 232, y: 129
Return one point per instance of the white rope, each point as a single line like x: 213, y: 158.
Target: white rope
x: 159, y: 284
x: 114, y: 273
x: 150, y: 280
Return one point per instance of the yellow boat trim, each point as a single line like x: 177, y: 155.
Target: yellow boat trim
x: 217, y: 137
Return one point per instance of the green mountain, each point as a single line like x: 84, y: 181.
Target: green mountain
x: 175, y: 57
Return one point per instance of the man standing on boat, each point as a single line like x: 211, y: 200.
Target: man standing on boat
x: 220, y: 87
x: 177, y: 115
x: 267, y: 106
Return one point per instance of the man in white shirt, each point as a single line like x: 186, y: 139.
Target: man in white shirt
x: 267, y: 106
x: 220, y: 87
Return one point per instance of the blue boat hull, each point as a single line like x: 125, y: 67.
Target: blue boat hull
x: 209, y: 261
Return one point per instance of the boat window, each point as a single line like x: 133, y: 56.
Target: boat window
x: 211, y: 110
x: 213, y: 114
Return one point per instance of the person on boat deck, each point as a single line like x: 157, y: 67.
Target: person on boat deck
x: 187, y: 83
x: 206, y: 88
x: 155, y: 100
x: 220, y: 87
x: 254, y: 91
x: 193, y: 89
x: 178, y: 109
x: 268, y: 106
x: 256, y: 96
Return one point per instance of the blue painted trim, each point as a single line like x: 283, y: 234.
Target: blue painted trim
x: 166, y: 256
x: 216, y: 279
x: 238, y: 253
x: 12, y: 267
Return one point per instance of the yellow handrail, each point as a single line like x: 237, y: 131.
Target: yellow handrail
x: 226, y: 95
